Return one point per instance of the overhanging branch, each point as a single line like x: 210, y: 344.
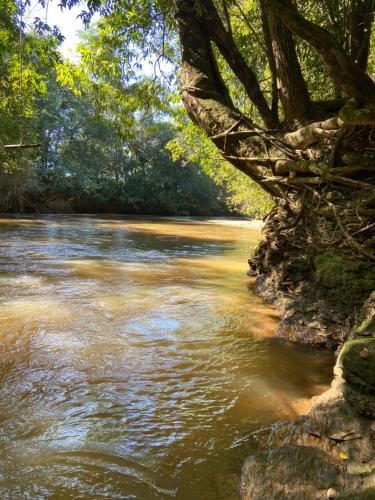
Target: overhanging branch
x: 348, y: 76
x: 224, y: 40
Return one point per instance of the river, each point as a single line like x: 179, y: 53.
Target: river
x: 137, y: 362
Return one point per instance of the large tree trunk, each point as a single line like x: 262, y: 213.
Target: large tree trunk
x: 317, y: 257
x: 223, y: 38
x: 321, y: 173
x: 291, y: 85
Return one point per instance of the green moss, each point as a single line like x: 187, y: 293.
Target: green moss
x: 348, y: 279
x: 367, y: 326
x: 358, y: 363
x: 297, y: 270
x: 368, y: 494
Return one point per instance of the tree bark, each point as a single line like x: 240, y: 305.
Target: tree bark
x: 344, y: 72
x: 228, y: 48
x: 361, y: 18
x: 291, y: 85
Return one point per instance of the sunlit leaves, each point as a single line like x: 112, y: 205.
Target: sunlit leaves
x: 242, y: 194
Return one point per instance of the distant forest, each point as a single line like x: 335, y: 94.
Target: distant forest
x: 112, y: 138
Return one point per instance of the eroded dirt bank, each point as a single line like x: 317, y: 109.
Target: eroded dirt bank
x: 326, y: 299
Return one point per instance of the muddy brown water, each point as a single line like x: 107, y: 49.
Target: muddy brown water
x: 136, y: 359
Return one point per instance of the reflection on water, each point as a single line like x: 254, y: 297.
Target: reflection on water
x: 136, y: 359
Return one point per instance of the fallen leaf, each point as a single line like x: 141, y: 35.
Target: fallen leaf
x: 314, y: 324
x: 343, y: 456
x: 325, y: 334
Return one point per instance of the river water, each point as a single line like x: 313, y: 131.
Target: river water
x: 136, y: 360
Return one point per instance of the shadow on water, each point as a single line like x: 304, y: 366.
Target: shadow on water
x: 136, y: 359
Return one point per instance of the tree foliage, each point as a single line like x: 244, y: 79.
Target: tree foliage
x: 40, y: 55
x: 85, y: 160
x: 102, y: 128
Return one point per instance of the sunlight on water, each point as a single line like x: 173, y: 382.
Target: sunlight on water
x: 136, y: 359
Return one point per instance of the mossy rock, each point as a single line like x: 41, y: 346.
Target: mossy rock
x: 358, y: 364
x: 367, y: 327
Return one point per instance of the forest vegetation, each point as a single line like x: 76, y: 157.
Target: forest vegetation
x: 109, y: 141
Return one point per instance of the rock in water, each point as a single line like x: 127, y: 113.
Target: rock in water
x: 291, y: 473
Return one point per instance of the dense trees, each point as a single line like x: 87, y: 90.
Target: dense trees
x: 103, y: 126
x: 262, y: 79
x: 86, y: 165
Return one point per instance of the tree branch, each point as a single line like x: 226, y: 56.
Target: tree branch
x: 304, y: 137
x: 207, y: 101
x: 345, y: 73
x: 291, y: 84
x: 228, y: 48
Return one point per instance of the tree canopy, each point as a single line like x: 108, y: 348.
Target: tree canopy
x: 103, y: 132
x: 249, y: 65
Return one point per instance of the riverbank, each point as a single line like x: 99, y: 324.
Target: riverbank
x: 234, y: 221
x: 330, y: 452
x: 77, y: 204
